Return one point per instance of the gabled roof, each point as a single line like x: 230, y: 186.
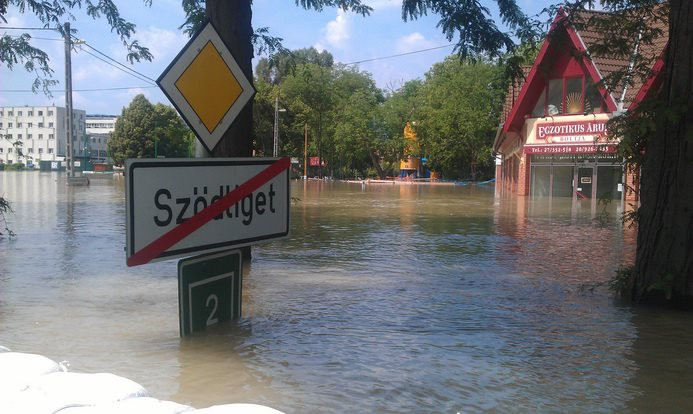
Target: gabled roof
x: 598, y: 67
x: 515, y: 119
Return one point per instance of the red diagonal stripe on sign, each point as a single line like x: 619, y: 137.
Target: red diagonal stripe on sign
x: 178, y: 233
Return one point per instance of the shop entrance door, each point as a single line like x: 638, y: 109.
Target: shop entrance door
x: 583, y: 189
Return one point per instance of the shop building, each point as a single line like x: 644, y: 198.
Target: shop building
x: 552, y: 139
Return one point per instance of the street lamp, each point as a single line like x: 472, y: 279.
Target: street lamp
x: 275, y: 152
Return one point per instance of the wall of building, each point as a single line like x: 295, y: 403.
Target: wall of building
x: 39, y: 131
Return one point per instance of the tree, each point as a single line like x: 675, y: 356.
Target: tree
x: 276, y: 68
x: 459, y: 115
x: 144, y: 130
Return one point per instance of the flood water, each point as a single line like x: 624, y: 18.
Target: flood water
x: 383, y: 299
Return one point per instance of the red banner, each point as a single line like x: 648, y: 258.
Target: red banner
x: 315, y: 162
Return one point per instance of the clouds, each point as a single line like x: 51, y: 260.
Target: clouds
x: 413, y: 41
x: 337, y: 31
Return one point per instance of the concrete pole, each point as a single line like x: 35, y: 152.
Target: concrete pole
x: 68, y: 99
x: 275, y: 151
x: 305, y: 152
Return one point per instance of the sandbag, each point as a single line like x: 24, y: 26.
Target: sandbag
x: 236, y: 409
x: 53, y: 392
x: 18, y: 369
x: 140, y: 405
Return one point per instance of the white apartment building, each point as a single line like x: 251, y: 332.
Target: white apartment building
x: 31, y: 134
x: 99, y: 128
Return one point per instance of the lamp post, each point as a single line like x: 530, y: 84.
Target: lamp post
x: 275, y: 152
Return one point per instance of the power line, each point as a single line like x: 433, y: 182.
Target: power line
x: 399, y: 54
x: 83, y: 90
x: 142, y: 78
x: 39, y: 38
x: 28, y: 28
x: 113, y: 60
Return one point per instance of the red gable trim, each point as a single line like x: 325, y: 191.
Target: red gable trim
x: 653, y: 81
x: 577, y: 44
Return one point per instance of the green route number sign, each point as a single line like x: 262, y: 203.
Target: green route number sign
x: 209, y: 290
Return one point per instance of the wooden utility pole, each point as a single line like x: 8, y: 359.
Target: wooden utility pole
x: 305, y: 152
x: 68, y: 99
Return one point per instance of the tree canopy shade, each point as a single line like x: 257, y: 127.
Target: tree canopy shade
x: 144, y: 130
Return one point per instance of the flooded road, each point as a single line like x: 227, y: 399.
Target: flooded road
x: 383, y: 299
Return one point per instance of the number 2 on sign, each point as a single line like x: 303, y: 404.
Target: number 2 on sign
x: 212, y: 319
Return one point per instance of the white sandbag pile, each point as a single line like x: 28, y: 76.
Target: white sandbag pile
x: 34, y: 384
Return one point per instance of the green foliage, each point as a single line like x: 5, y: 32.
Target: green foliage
x: 5, y: 208
x: 458, y: 116
x: 144, y: 129
x: 15, y: 50
x: 621, y: 280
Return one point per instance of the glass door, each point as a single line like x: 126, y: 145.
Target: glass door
x: 583, y: 189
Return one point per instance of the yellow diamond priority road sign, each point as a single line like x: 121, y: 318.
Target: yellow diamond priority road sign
x: 207, y: 86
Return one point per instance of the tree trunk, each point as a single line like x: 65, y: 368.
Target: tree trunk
x: 664, y: 258
x: 232, y: 19
x: 376, y: 162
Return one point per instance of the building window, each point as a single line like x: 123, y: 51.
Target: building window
x: 40, y: 124
x: 50, y: 150
x: 2, y: 113
x: 1, y: 150
x: 40, y: 113
x: 40, y: 150
x: 19, y: 136
x: 50, y: 113
x: 40, y: 136
x: 50, y: 125
x: 9, y: 136
x: 31, y: 113
x: 93, y: 140
x: 9, y: 150
x: 19, y: 113
x: 19, y: 124
x: 0, y: 125
x: 31, y: 150
x: 29, y: 136
x: 10, y: 113
x: 9, y: 124
x: 51, y: 136
x: 566, y: 96
x: 30, y: 125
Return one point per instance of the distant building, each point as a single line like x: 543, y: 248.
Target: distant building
x: 99, y: 128
x: 30, y: 134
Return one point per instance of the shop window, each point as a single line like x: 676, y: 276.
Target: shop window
x: 562, y: 181
x: 573, y: 96
x: 567, y: 96
x: 594, y: 104
x: 541, y: 179
x: 539, y: 107
x: 554, y: 99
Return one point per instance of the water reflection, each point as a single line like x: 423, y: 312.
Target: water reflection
x: 383, y: 298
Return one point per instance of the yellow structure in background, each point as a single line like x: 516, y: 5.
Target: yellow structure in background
x: 411, y: 162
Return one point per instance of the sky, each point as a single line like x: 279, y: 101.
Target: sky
x: 348, y: 36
